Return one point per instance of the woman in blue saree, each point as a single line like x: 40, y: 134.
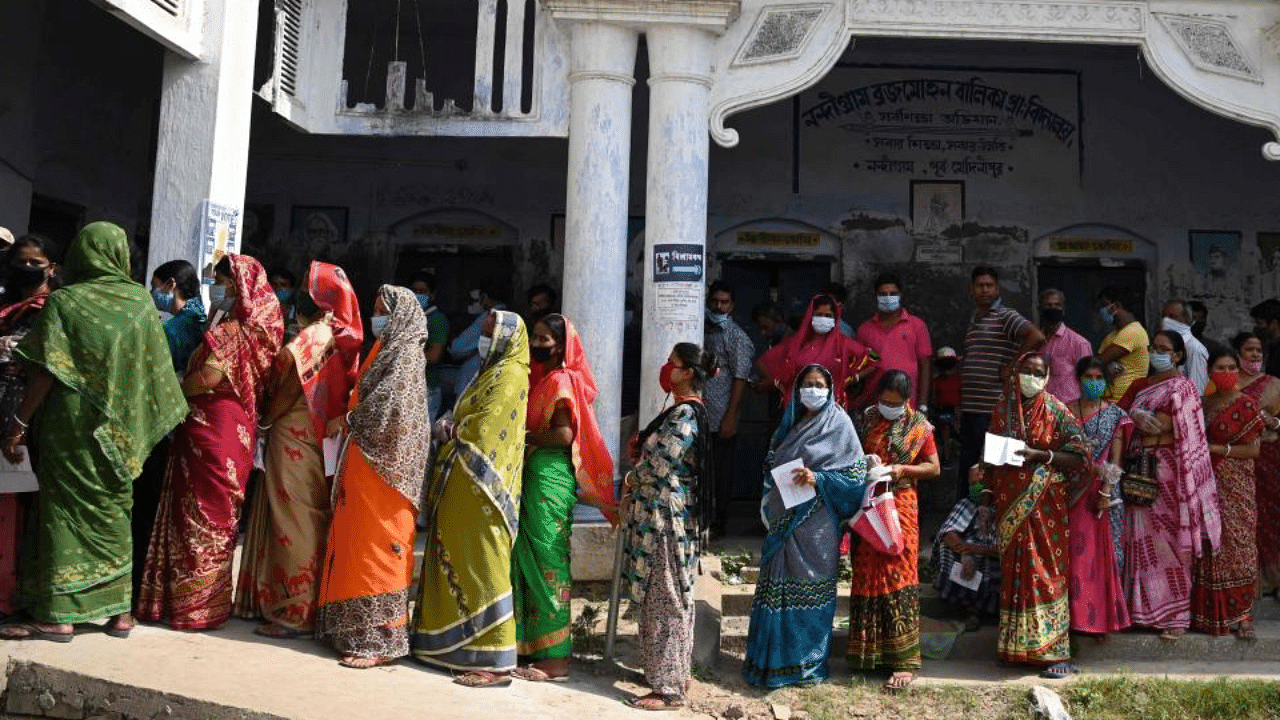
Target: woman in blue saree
x: 795, y: 601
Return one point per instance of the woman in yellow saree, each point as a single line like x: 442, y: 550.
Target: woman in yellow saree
x: 464, y: 619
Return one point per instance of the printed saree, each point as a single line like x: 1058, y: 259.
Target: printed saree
x: 464, y: 619
x: 1223, y: 578
x: 368, y: 564
x: 187, y: 579
x: 284, y: 542
x: 114, y: 398
x: 1098, y: 602
x: 1031, y: 527
x: 789, y: 637
x: 884, y: 599
x: 1267, y: 496
x: 555, y: 478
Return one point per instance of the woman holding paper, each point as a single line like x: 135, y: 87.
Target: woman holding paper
x: 312, y: 379
x: 368, y: 562
x: 820, y: 470
x: 1031, y: 507
x: 884, y: 601
x: 187, y: 577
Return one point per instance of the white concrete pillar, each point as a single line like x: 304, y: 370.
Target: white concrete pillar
x: 601, y: 78
x: 675, y: 198
x: 203, y: 148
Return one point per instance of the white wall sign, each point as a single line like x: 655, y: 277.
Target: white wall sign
x: 678, y: 277
x: 219, y: 236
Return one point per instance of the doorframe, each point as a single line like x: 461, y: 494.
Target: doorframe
x: 1144, y: 254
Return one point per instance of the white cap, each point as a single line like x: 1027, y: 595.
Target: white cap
x: 6, y: 237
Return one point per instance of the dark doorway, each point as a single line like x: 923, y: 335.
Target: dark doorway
x: 1081, y: 281
x: 791, y: 284
x: 57, y: 220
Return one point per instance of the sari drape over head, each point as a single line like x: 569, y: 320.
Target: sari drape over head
x: 464, y: 619
x: 245, y: 346
x: 837, y: 353
x: 368, y: 566
x: 1032, y: 529
x: 795, y: 600
x: 114, y: 397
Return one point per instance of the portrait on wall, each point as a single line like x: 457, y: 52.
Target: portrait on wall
x: 1214, y: 253
x: 1269, y: 249
x: 321, y: 230
x: 936, y: 206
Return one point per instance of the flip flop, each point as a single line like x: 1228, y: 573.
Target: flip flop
x: 488, y: 679
x: 533, y: 674
x: 111, y: 630
x: 1060, y: 671
x: 669, y: 703
x: 35, y: 632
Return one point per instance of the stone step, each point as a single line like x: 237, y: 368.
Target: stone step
x: 1134, y: 646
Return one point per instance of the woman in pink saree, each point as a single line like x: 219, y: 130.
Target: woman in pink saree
x: 1163, y: 541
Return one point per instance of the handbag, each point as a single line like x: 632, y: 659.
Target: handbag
x: 1139, y: 484
x: 876, y: 522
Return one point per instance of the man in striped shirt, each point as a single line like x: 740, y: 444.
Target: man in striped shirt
x: 997, y: 337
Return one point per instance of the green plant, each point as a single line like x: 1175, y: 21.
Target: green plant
x: 732, y: 562
x: 583, y: 631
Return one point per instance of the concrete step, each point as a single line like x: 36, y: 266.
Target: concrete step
x: 1134, y: 646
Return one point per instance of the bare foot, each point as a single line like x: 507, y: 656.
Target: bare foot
x: 533, y: 673
x: 57, y: 632
x: 899, y: 680
x: 364, y: 663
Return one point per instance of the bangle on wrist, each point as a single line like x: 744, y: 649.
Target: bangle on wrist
x: 1050, y: 460
x: 1228, y: 452
x: 21, y: 424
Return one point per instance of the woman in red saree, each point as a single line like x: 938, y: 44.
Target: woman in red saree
x: 1031, y: 526
x: 884, y: 600
x: 567, y: 462
x: 313, y: 377
x: 1162, y: 540
x: 1224, y: 578
x: 1265, y: 391
x: 187, y: 578
x: 819, y: 342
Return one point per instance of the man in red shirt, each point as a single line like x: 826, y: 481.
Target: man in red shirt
x: 902, y: 342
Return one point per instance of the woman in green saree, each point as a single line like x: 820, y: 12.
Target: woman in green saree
x: 102, y: 393
x: 464, y: 618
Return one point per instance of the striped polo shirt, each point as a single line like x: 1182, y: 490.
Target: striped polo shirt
x: 991, y: 343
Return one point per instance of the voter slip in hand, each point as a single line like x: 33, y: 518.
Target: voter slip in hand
x: 1000, y: 450
x: 791, y: 493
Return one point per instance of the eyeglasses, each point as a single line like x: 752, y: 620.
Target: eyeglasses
x: 1157, y: 349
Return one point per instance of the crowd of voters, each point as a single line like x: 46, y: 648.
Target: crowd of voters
x: 1143, y: 493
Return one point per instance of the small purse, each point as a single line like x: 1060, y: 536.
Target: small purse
x: 1139, y: 484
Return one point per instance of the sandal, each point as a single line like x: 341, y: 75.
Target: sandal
x: 532, y: 673
x: 1060, y: 671
x: 33, y: 631
x: 483, y: 679
x: 1173, y: 634
x: 365, y: 663
x: 655, y: 702
x: 899, y: 681
x: 280, y: 632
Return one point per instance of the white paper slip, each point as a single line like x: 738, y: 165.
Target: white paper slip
x: 791, y: 493
x: 1000, y: 450
x: 971, y: 584
x: 332, y: 447
x: 17, y: 478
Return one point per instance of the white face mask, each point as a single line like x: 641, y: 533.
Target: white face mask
x: 484, y: 346
x: 823, y: 325
x: 888, y: 412
x: 1161, y: 362
x: 218, y: 298
x: 1031, y: 385
x: 814, y: 397
x: 378, y: 323
x: 888, y: 303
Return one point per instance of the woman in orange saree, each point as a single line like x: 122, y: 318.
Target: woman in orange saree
x: 313, y: 377
x: 1031, y: 526
x: 368, y: 566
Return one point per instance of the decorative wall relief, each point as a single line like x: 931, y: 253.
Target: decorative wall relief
x: 1210, y: 46
x: 1056, y: 18
x: 780, y: 33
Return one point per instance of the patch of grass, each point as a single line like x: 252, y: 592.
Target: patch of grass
x: 864, y: 698
x: 1160, y: 699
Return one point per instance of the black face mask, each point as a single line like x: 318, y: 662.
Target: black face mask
x: 1197, y: 329
x: 945, y: 364
x: 25, y: 276
x: 1052, y: 316
x: 539, y: 353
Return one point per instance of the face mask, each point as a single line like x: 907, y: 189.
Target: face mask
x: 1052, y: 316
x: 814, y: 397
x: 717, y: 318
x: 1225, y: 379
x: 484, y: 346
x: 1031, y: 385
x: 163, y: 300
x: 1197, y: 328
x: 540, y: 353
x: 284, y: 295
x: 1253, y: 367
x: 218, y: 299
x: 1162, y: 362
x: 1093, y: 388
x: 475, y: 308
x: 975, y: 493
x: 664, y: 377
x: 888, y: 412
x: 423, y: 299
x: 1173, y: 325
x: 26, y: 276
x: 823, y: 325
x: 946, y: 364
x: 1108, y: 317
x: 888, y: 303
x: 378, y: 323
